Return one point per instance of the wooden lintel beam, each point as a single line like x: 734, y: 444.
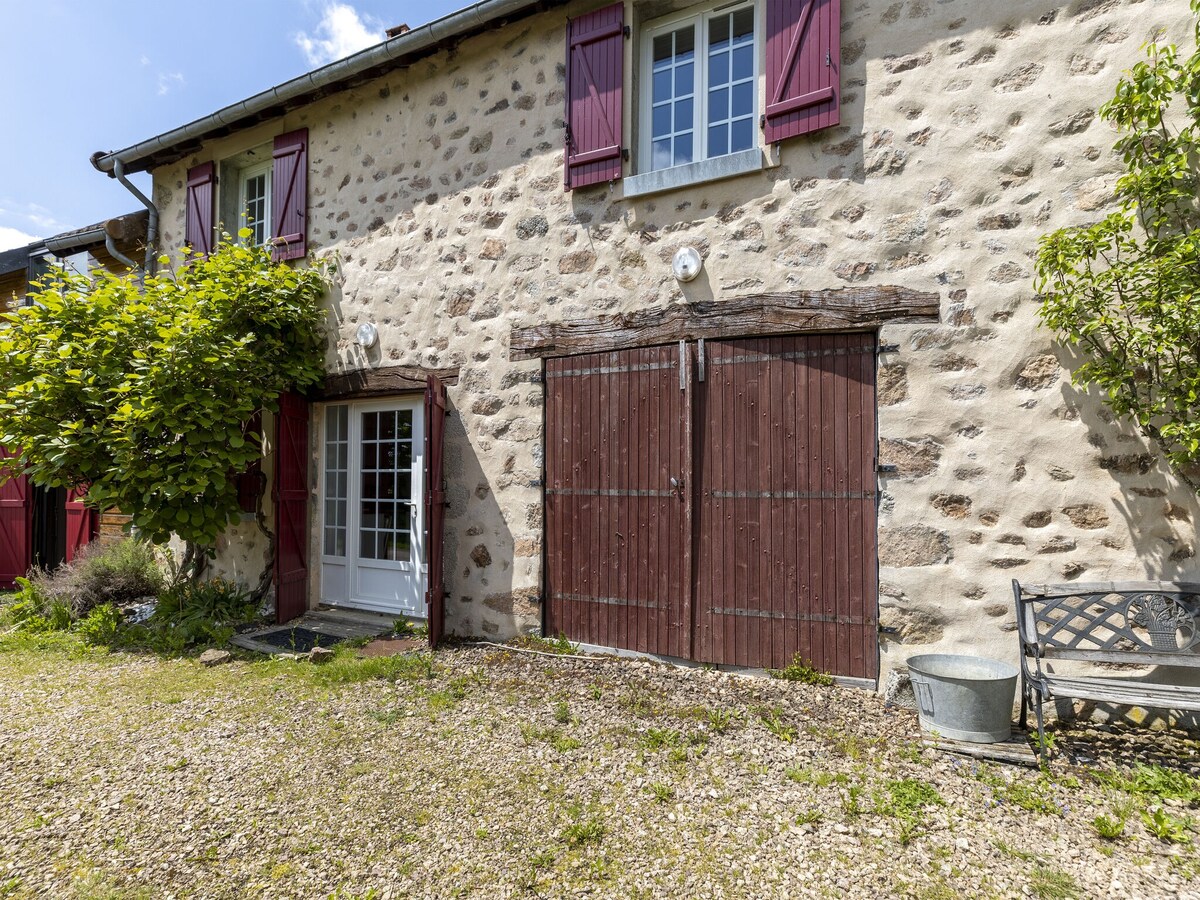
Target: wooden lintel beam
x: 384, y: 380
x: 834, y: 309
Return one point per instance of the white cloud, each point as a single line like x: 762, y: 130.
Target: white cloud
x: 11, y: 237
x: 169, y: 80
x: 341, y: 32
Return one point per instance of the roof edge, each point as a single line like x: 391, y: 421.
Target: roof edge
x: 276, y: 101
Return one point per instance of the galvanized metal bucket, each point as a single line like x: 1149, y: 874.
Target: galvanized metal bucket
x: 965, y: 698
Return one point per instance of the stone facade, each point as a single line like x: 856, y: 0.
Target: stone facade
x: 968, y: 129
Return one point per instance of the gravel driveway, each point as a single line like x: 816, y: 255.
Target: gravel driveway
x: 497, y: 774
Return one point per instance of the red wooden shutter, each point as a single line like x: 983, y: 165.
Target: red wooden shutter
x: 81, y: 522
x: 289, y: 195
x: 198, y: 228
x: 803, y: 67
x: 291, y: 507
x: 16, y: 524
x: 435, y: 506
x: 595, y: 74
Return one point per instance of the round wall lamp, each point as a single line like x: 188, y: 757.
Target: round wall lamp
x: 368, y: 335
x: 686, y: 264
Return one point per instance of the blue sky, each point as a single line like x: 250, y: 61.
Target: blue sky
x: 79, y: 76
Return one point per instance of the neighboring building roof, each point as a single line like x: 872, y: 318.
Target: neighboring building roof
x: 399, y: 51
x: 17, y: 259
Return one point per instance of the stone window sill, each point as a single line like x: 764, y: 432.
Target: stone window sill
x: 716, y: 169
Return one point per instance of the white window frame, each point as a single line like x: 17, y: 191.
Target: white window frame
x: 244, y: 175
x: 700, y: 17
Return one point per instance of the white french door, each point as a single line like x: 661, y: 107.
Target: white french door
x: 372, y: 553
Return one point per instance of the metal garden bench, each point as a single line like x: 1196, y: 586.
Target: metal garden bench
x: 1141, y: 623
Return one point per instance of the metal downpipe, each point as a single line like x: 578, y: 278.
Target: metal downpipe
x: 151, y: 265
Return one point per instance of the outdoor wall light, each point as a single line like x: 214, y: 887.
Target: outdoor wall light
x: 687, y: 264
x: 368, y: 335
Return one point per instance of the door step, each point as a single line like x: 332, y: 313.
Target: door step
x: 336, y: 625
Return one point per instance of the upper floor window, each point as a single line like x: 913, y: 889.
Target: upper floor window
x: 700, y: 87
x: 254, y: 202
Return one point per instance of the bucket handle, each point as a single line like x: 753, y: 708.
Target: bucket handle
x: 924, y: 695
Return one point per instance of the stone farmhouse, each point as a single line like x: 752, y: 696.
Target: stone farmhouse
x: 730, y: 308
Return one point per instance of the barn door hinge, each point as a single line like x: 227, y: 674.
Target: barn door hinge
x: 888, y: 348
x: 627, y: 31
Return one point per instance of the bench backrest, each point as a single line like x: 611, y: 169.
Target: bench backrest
x: 1145, y: 622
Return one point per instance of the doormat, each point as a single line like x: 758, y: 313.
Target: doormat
x: 298, y: 640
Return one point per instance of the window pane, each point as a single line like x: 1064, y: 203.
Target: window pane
x: 684, y: 79
x: 661, y: 155
x: 404, y: 456
x: 387, y: 425
x: 404, y: 424
x: 743, y: 23
x: 743, y: 135
x: 404, y: 485
x: 369, y: 515
x: 718, y: 105
x: 370, y: 424
x: 718, y: 140
x: 718, y: 69
x: 662, y: 48
x: 369, y: 486
x: 743, y: 62
x: 683, y: 149
x: 743, y: 99
x: 402, y: 549
x: 662, y: 85
x: 685, y: 42
x: 661, y: 121
x: 718, y: 31
x: 683, y: 115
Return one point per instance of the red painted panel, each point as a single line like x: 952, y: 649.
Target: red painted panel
x: 82, y: 522
x: 16, y: 523
x: 289, y: 196
x: 291, y: 507
x: 785, y: 495
x: 617, y: 531
x: 803, y: 67
x: 198, y: 225
x: 595, y: 81
x: 435, y: 507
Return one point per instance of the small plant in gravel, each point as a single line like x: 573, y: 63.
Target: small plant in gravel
x: 907, y: 800
x: 1109, y: 828
x: 1157, y: 781
x: 586, y: 831
x: 1167, y: 828
x: 772, y: 719
x: 662, y: 793
x: 559, y: 645
x: 852, y: 801
x: 661, y: 739
x: 809, y: 776
x: 1048, y: 883
x: 562, y: 713
x: 718, y: 719
x: 810, y: 816
x: 801, y: 670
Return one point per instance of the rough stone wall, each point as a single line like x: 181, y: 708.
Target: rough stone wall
x: 968, y: 129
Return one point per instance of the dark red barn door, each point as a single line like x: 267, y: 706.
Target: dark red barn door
x: 291, y: 507
x: 81, y: 522
x: 617, y: 500
x: 435, y: 507
x: 716, y: 502
x: 16, y: 524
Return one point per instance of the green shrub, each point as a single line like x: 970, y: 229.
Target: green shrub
x: 33, y: 608
x: 118, y: 574
x: 801, y: 670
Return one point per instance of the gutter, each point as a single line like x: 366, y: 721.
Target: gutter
x: 338, y: 75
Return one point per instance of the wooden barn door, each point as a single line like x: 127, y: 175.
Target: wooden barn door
x: 786, y: 558
x: 82, y: 522
x: 15, y: 525
x: 291, y: 507
x: 716, y: 503
x: 618, y: 506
